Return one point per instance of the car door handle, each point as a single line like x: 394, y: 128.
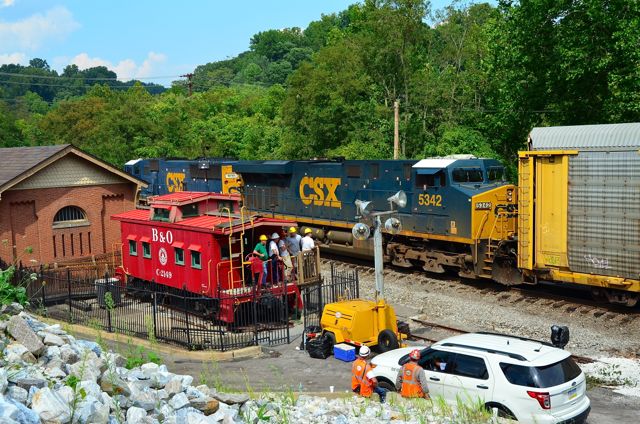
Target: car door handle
x: 434, y: 379
x: 482, y: 386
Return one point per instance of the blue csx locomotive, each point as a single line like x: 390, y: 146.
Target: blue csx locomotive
x: 460, y: 213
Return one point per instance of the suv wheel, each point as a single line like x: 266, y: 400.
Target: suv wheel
x: 503, y: 411
x: 386, y: 385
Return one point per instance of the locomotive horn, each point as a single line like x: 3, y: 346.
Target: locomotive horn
x: 364, y: 207
x: 399, y: 199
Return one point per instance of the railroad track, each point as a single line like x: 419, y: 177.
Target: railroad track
x: 429, y: 325
x: 543, y: 295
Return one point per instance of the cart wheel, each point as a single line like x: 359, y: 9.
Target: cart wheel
x: 387, y: 340
x: 329, y: 335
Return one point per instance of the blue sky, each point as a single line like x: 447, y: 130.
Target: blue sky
x: 144, y: 38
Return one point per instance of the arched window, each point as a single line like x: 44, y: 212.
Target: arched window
x: 70, y: 216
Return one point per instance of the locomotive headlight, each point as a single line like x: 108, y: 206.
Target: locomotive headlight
x: 509, y: 195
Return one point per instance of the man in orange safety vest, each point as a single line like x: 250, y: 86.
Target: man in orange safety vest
x: 362, y: 382
x: 412, y: 381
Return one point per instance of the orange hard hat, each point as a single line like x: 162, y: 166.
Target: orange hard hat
x: 415, y: 354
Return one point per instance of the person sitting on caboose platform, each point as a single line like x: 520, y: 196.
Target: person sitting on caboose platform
x: 261, y: 251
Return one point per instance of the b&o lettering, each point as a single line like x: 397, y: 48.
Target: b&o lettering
x: 161, y: 236
x: 321, y: 191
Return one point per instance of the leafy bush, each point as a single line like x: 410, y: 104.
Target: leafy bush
x: 10, y: 292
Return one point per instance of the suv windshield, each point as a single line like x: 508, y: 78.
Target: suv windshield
x: 541, y: 377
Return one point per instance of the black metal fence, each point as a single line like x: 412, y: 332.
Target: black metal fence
x: 156, y: 312
x: 246, y: 316
x: 343, y: 285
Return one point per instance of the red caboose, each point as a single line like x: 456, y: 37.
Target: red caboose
x: 196, y: 242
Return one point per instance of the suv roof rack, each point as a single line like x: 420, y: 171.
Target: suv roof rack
x: 484, y: 349
x: 525, y: 339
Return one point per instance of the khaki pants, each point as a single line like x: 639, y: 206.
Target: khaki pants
x: 288, y: 267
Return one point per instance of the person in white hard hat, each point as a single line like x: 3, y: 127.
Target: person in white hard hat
x: 274, y: 255
x: 286, y: 257
x: 362, y: 380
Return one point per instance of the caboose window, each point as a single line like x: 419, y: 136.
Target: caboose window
x: 189, y: 211
x: 195, y: 260
x: 179, y: 256
x: 495, y: 173
x: 133, y: 248
x: 225, y: 206
x: 161, y: 214
x: 146, y: 250
x: 467, y: 175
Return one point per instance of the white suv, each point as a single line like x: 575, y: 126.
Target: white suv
x: 527, y: 380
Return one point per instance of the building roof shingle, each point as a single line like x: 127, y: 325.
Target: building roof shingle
x: 15, y: 161
x: 18, y: 163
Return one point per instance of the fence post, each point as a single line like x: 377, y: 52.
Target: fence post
x: 107, y: 289
x: 357, y: 285
x: 43, y: 286
x: 286, y: 311
x: 69, y: 293
x: 154, y: 307
x: 254, y: 314
x: 186, y: 314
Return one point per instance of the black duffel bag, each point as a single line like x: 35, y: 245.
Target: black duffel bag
x: 320, y: 347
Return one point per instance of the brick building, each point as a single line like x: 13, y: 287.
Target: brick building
x: 56, y: 203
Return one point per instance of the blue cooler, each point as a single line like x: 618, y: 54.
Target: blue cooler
x: 344, y: 352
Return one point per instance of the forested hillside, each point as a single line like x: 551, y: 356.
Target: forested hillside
x: 469, y: 79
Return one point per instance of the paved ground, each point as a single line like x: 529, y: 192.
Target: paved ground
x: 287, y: 368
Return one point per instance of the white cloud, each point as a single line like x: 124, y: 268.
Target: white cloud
x: 17, y: 58
x: 30, y: 33
x: 6, y: 3
x: 126, y: 69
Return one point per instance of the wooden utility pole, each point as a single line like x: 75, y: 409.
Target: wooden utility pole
x: 396, y: 129
x: 189, y: 82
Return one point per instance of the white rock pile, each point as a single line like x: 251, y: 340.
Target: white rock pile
x: 47, y: 376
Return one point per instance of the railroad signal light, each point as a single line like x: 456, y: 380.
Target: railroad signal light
x: 360, y: 231
x: 393, y: 226
x: 399, y: 199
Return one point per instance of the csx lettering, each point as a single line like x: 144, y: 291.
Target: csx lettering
x: 175, y: 181
x: 429, y: 200
x: 320, y: 191
x: 161, y: 236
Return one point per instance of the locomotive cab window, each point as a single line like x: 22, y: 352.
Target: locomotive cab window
x: 354, y: 171
x: 495, y: 173
x: 161, y: 214
x: 425, y: 181
x: 133, y: 248
x: 375, y: 170
x: 467, y: 175
x: 179, y: 255
x: 406, y: 170
x: 196, y: 260
x: 146, y: 250
x: 189, y: 211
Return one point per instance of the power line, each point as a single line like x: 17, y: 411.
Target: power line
x: 13, y: 74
